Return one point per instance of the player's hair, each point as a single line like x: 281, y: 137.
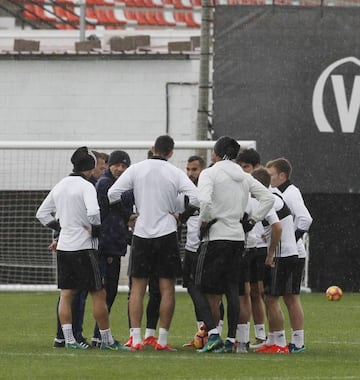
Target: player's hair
x: 262, y: 176
x: 282, y: 165
x: 197, y: 158
x: 248, y: 156
x: 101, y: 155
x: 150, y: 153
x: 164, y: 145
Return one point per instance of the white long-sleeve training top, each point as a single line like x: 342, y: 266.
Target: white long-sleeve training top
x: 224, y: 193
x: 156, y: 184
x: 301, y: 215
x: 287, y: 242
x: 75, y: 203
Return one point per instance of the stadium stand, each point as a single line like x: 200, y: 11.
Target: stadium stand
x: 107, y: 14
x: 120, y: 14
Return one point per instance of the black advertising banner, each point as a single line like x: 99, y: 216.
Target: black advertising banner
x: 289, y: 78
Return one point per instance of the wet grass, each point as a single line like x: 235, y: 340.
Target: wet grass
x: 332, y: 338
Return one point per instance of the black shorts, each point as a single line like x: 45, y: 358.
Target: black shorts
x: 155, y: 257
x: 298, y: 274
x: 278, y: 281
x: 189, y: 267
x: 245, y: 270
x: 79, y: 270
x: 219, y: 265
x: 257, y: 264
x: 110, y: 267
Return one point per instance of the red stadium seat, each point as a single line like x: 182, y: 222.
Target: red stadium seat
x: 122, y: 17
x: 191, y: 21
x: 140, y: 3
x: 196, y: 3
x: 43, y: 15
x: 179, y: 17
x: 131, y: 15
x: 182, y: 4
x: 65, y: 26
x: 29, y: 12
x: 130, y: 3
x: 96, y: 2
x: 38, y: 12
x: 64, y: 9
x: 154, y: 3
x: 150, y: 18
x: 166, y: 18
x: 107, y: 17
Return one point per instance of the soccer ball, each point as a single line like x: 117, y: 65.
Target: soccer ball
x: 200, y: 339
x: 333, y: 293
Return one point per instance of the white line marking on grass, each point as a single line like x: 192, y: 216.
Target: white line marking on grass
x: 355, y: 342
x: 180, y: 356
x: 313, y: 378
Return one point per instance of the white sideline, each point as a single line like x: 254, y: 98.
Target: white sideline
x: 53, y: 288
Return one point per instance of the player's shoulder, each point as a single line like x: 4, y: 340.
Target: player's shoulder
x: 292, y: 191
x: 279, y: 202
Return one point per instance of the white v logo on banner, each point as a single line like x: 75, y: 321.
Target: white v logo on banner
x: 348, y: 114
x: 348, y: 111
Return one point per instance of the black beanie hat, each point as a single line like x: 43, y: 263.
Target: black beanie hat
x: 82, y: 160
x: 119, y: 157
x: 226, y: 148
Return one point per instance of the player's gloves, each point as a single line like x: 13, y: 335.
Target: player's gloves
x: 190, y: 210
x: 205, y: 227
x: 54, y: 225
x: 122, y: 210
x: 299, y: 234
x: 247, y: 224
x: 95, y: 230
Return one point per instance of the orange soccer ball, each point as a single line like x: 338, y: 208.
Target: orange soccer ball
x: 333, y: 293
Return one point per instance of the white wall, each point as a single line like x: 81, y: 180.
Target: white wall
x: 89, y: 100
x: 96, y: 99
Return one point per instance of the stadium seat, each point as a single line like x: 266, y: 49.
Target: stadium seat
x: 90, y: 15
x: 182, y: 4
x: 156, y: 3
x: 132, y: 15
x: 169, y: 18
x: 110, y: 14
x: 132, y: 3
x: 179, y: 17
x: 29, y: 12
x: 160, y: 19
x: 196, y: 3
x: 193, y: 20
x: 141, y: 3
x: 43, y: 15
x: 64, y: 9
x: 122, y: 18
x: 37, y: 12
x: 105, y: 16
x: 64, y: 26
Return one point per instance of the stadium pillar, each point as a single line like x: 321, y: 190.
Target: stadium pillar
x: 205, y: 59
x: 82, y: 19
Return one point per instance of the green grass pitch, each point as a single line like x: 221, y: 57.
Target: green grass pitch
x: 332, y: 337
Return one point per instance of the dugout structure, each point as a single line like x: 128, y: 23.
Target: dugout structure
x: 289, y: 77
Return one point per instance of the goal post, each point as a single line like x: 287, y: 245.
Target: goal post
x: 29, y: 170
